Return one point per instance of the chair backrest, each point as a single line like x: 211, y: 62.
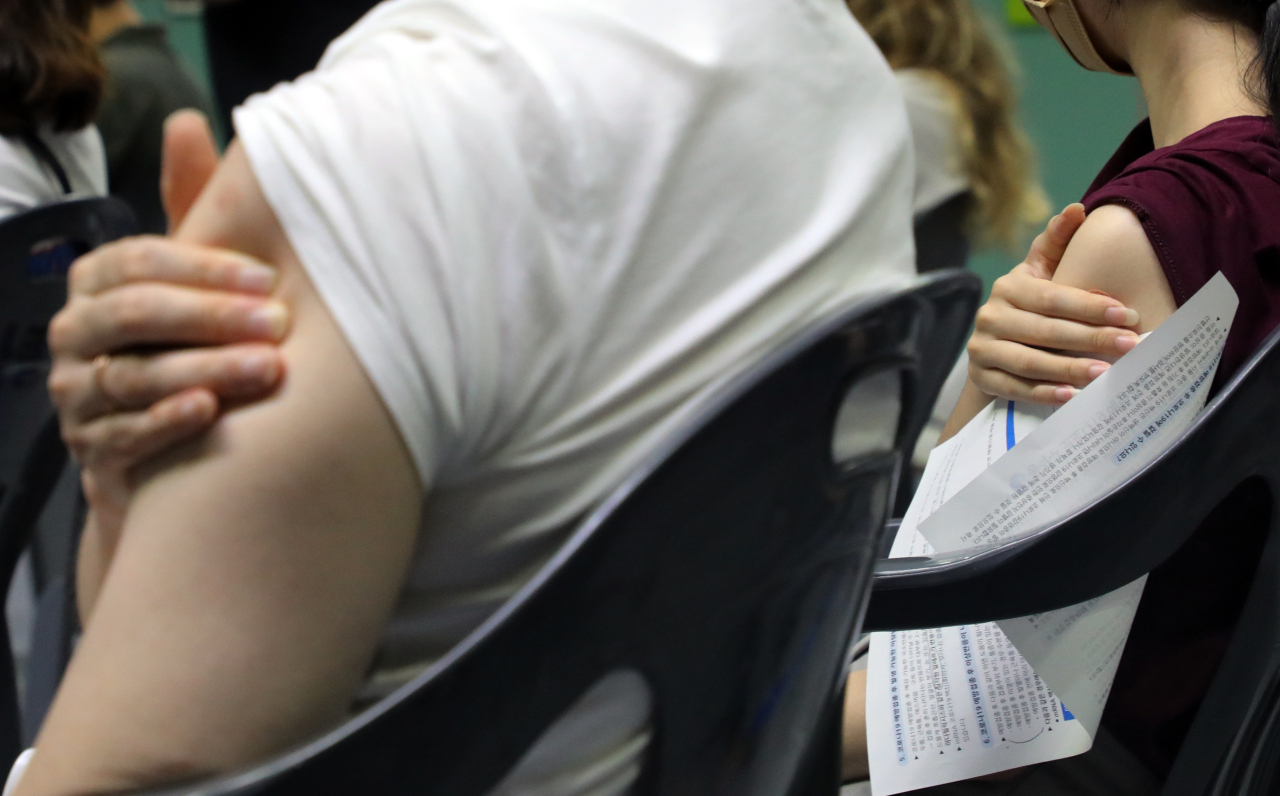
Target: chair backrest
x: 36, y: 249
x: 942, y: 243
x: 1234, y: 742
x: 729, y: 573
x: 942, y: 237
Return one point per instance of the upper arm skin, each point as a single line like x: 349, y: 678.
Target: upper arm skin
x: 257, y: 566
x: 1110, y: 253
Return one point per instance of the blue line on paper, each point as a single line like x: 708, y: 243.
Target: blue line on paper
x: 1066, y: 714
x: 1010, y: 439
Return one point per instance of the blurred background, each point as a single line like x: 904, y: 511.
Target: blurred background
x: 184, y: 21
x: 1075, y: 118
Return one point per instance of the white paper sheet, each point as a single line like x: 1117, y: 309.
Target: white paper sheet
x: 955, y: 703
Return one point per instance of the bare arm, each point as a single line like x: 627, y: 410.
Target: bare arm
x: 256, y: 567
x: 125, y: 300
x: 1109, y: 253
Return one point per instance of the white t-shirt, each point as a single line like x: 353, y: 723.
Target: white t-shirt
x: 26, y: 182
x: 933, y: 111
x: 549, y: 228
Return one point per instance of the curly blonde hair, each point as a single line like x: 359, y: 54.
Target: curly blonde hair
x: 949, y: 39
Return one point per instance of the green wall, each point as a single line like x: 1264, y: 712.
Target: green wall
x: 182, y: 19
x: 1076, y: 118
x: 186, y: 32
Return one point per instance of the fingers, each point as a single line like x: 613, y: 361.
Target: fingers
x: 128, y: 383
x: 1049, y: 247
x: 1032, y: 364
x: 189, y: 159
x: 151, y: 292
x: 157, y: 314
x: 1031, y: 294
x: 1002, y: 321
x: 107, y: 434
x: 1006, y: 386
x: 1028, y: 313
x: 233, y: 373
x: 117, y: 442
x: 154, y: 259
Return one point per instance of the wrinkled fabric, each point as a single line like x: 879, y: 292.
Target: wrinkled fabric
x: 549, y: 229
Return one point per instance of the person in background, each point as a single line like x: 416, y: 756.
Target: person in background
x: 146, y: 83
x: 1189, y: 194
x: 50, y: 87
x: 1192, y: 192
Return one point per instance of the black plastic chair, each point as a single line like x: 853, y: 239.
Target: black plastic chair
x: 941, y: 234
x: 1234, y: 743
x: 729, y: 572
x: 942, y: 243
x: 36, y: 249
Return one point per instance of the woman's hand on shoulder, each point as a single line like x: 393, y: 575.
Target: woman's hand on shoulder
x: 157, y: 336
x: 1029, y: 317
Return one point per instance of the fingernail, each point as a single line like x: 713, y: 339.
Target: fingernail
x: 256, y: 278
x: 271, y: 320
x: 189, y: 409
x: 1121, y: 316
x: 1097, y: 370
x: 168, y: 120
x: 1064, y: 394
x: 258, y: 367
x: 1126, y: 343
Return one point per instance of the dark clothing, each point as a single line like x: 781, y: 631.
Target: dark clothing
x: 1209, y: 203
x: 255, y: 44
x: 942, y: 235
x: 146, y: 82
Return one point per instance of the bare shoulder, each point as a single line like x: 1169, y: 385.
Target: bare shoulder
x: 232, y: 212
x: 1111, y: 253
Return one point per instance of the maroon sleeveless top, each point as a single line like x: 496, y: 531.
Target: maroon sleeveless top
x: 1209, y: 203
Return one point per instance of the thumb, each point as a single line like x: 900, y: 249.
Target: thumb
x: 1049, y: 247
x: 190, y: 158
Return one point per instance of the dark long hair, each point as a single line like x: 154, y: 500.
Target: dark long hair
x: 1263, y: 18
x: 1269, y: 59
x: 50, y: 73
